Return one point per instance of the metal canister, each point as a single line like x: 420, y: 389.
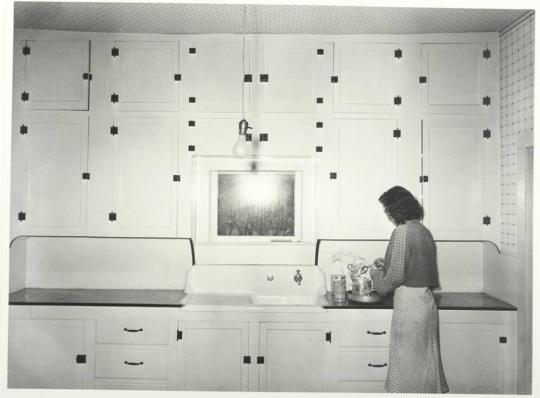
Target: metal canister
x: 338, y: 288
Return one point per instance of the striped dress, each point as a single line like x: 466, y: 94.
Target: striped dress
x: 414, y: 364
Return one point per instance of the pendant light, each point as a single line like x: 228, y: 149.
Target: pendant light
x: 240, y: 148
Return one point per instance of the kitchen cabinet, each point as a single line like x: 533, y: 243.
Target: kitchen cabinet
x: 47, y: 353
x: 455, y: 78
x: 294, y: 76
x: 56, y: 74
x: 144, y: 76
x: 49, y: 189
x: 209, y: 136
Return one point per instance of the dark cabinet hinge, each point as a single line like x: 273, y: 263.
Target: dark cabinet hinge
x: 249, y: 137
x: 320, y: 51
x: 191, y: 148
x: 25, y: 96
x: 178, y: 335
x: 320, y: 100
x: 486, y: 53
x: 318, y: 149
x: 397, y: 133
x: 23, y: 129
x: 319, y: 125
x: 80, y: 358
x: 112, y: 216
x: 115, y: 52
x: 424, y: 179
x: 328, y: 336
x: 21, y: 216
x: 487, y: 133
x: 260, y: 360
x: 176, y: 177
x: 263, y: 137
x: 114, y: 98
x: 422, y: 79
x: 86, y: 176
x: 398, y: 53
x: 192, y: 50
x: 192, y: 100
x: 114, y: 130
x: 87, y: 76
x: 502, y: 340
x: 26, y: 50
x: 263, y: 78
x: 248, y: 78
x: 333, y: 175
x: 247, y: 359
x: 397, y: 100
x: 177, y: 77
x: 334, y: 79
x: 191, y: 123
x: 486, y: 100
x: 486, y: 220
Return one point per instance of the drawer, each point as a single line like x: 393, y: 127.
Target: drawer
x: 132, y: 331
x: 126, y: 385
x: 362, y: 365
x: 131, y: 364
x: 364, y: 334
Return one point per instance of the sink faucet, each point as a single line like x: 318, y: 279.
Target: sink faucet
x: 298, y: 277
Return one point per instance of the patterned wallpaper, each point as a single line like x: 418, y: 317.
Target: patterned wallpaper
x: 516, y: 116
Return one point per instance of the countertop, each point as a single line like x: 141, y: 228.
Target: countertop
x: 172, y: 298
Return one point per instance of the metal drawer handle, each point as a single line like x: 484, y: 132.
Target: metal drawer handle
x: 134, y: 363
x: 133, y: 330
x: 376, y: 333
x: 377, y: 366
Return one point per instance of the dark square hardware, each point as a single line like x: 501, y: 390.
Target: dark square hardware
x: 87, y: 76
x: 112, y: 216
x: 486, y: 53
x: 320, y: 51
x: 247, y: 359
x: 397, y: 100
x: 263, y: 78
x: 177, y: 77
x: 333, y: 79
x: 178, y: 335
x: 23, y: 130
x: 424, y: 179
x: 114, y: 98
x: 192, y: 50
x: 21, y: 216
x: 191, y: 123
x: 191, y: 148
x: 487, y: 133
x: 486, y: 100
x: 25, y: 96
x: 192, y: 100
x: 176, y: 177
x: 263, y: 137
x: 86, y: 176
x: 397, y: 133
x: 26, y: 50
x: 422, y: 79
x: 486, y: 220
x: 115, y: 52
x: 80, y: 358
x: 114, y: 130
x: 248, y: 78
x: 502, y: 340
x: 329, y: 336
x: 398, y: 53
x: 319, y: 125
x: 333, y: 175
x: 318, y: 149
x: 260, y: 360
x: 320, y: 100
x: 249, y: 137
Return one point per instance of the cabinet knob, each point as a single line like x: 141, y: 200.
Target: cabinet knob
x: 133, y: 330
x: 133, y: 363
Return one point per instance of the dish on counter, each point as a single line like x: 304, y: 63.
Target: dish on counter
x: 364, y: 298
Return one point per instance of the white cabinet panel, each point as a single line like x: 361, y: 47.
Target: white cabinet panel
x: 367, y: 78
x: 287, y: 137
x: 210, y: 356
x: 452, y: 161
x: 456, y: 78
x: 54, y: 75
x: 131, y: 364
x: 212, y: 76
x: 52, y: 192
x: 297, y: 77
x: 367, y: 156
x: 43, y: 353
x: 210, y: 136
x: 144, y: 76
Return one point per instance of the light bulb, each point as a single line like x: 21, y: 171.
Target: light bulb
x: 240, y: 149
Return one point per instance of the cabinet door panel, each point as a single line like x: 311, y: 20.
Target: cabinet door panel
x: 286, y: 137
x: 211, y: 136
x: 146, y: 160
x: 456, y: 78
x: 54, y: 75
x: 144, y: 76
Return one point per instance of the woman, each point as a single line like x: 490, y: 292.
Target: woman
x: 410, y: 270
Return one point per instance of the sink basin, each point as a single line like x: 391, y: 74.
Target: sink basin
x: 289, y: 300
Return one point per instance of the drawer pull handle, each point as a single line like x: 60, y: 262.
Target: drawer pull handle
x: 133, y: 330
x: 134, y: 363
x: 376, y: 333
x: 377, y: 366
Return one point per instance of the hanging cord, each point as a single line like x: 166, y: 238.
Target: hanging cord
x: 243, y: 57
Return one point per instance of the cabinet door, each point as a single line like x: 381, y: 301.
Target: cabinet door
x: 210, y: 136
x: 367, y: 165
x: 43, y: 354
x: 145, y: 161
x: 293, y: 356
x: 367, y: 78
x: 54, y: 75
x: 297, y: 77
x: 49, y: 196
x: 456, y: 78
x: 452, y: 161
x: 211, y: 356
x: 144, y: 76
x: 212, y: 76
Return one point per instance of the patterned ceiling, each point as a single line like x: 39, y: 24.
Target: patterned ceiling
x: 228, y: 18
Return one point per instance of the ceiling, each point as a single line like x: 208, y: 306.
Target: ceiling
x: 228, y: 18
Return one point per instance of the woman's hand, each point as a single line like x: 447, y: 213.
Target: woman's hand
x: 379, y: 263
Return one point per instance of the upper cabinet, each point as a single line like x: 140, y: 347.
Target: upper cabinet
x: 213, y: 76
x: 145, y: 76
x: 365, y: 78
x: 455, y: 78
x: 294, y: 76
x: 57, y: 75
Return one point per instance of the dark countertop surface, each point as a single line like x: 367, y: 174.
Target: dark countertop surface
x: 172, y: 298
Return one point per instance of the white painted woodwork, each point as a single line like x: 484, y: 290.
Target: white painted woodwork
x: 103, y: 384
x: 132, y: 331
x: 456, y: 78
x: 140, y: 363
x: 297, y: 76
x: 367, y: 165
x: 452, y: 160
x: 214, y: 76
x: 144, y: 76
x: 362, y: 364
x: 54, y: 74
x: 210, y: 356
x: 42, y: 353
x: 354, y: 333
x: 210, y: 136
x: 367, y: 78
x: 52, y: 193
x: 294, y: 356
x: 146, y: 158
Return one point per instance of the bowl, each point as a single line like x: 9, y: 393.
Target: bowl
x: 365, y: 298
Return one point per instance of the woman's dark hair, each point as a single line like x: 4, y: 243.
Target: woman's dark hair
x: 401, y: 205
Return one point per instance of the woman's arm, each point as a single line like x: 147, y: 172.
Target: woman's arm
x: 394, y: 276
